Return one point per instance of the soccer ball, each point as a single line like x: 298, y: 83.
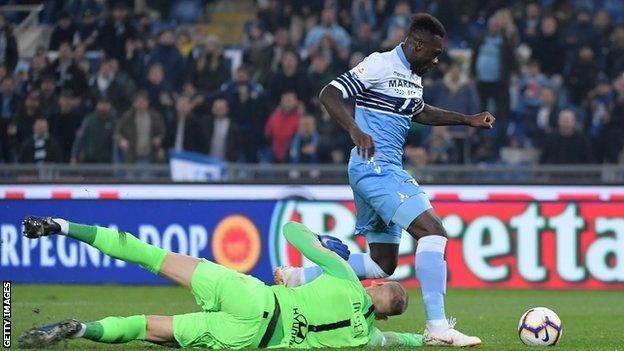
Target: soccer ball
x: 540, y: 326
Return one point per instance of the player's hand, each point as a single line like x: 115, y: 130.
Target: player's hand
x: 364, y: 143
x: 483, y: 120
x: 336, y: 245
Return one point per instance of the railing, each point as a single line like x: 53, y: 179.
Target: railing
x: 316, y: 174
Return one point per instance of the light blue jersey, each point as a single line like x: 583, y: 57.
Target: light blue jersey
x: 387, y: 95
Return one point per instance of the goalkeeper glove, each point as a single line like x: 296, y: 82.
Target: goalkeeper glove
x: 334, y: 244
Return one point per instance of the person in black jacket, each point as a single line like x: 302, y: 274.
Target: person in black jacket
x: 187, y: 133
x: 41, y: 147
x: 8, y: 46
x: 63, y: 32
x: 223, y: 138
x: 113, y: 34
x: 567, y: 145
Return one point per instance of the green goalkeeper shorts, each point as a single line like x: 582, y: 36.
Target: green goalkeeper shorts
x: 236, y: 310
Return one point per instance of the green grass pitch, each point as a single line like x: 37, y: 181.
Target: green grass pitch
x: 591, y: 320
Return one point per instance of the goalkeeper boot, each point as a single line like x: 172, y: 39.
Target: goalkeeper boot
x: 49, y: 335
x: 450, y: 337
x: 288, y: 276
x: 36, y: 227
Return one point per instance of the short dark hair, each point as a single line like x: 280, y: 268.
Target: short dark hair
x: 425, y: 23
x: 400, y: 299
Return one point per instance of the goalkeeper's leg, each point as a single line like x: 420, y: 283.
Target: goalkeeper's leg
x: 118, y: 244
x: 111, y: 330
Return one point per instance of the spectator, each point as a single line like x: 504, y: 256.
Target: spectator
x: 48, y: 96
x: 613, y: 133
x: 440, y: 146
x: 289, y: 78
x: 247, y: 110
x: 454, y: 92
x: 168, y: 55
x: 491, y: 65
x: 282, y: 126
x: 95, y: 141
x: 529, y: 27
x: 567, y: 145
x: 106, y: 85
x: 602, y: 23
x: 188, y: 132
x: 364, y: 41
x: 25, y: 118
x: 281, y: 45
x: 548, y: 47
x: 67, y: 74
x: 583, y: 75
x: 530, y: 85
x: 133, y: 62
x: 543, y: 120
x: 63, y: 32
x: 257, y: 47
x: 319, y: 75
x: 401, y: 18
x: 37, y: 69
x: 140, y: 132
x: 8, y: 46
x: 363, y: 12
x: 579, y: 34
x: 601, y: 100
x: 41, y: 147
x: 160, y: 94
x: 223, y: 136
x: 87, y: 31
x: 115, y: 31
x: 304, y: 144
x: 10, y: 101
x: 209, y: 69
x: 615, y: 55
x: 328, y: 26
x: 65, y: 122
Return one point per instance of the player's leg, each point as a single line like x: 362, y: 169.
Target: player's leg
x: 363, y: 264
x: 418, y: 218
x: 156, y: 329
x: 118, y: 244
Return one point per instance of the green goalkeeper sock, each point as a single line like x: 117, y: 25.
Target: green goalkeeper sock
x: 120, y: 245
x: 117, y: 329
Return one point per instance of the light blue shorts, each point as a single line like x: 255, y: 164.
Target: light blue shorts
x: 387, y: 200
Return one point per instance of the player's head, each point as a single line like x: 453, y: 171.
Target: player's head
x: 389, y: 298
x: 424, y: 42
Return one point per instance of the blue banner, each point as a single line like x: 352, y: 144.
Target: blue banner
x: 232, y: 233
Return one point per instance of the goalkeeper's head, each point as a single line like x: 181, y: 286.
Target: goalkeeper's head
x: 389, y: 298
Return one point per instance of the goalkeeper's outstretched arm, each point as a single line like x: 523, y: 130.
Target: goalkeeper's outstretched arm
x: 306, y: 242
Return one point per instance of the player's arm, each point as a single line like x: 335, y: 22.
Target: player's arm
x: 331, y: 98
x: 434, y: 116
x: 362, y: 77
x: 390, y: 339
x: 306, y: 242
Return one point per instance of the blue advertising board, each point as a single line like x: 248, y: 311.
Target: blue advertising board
x: 232, y: 233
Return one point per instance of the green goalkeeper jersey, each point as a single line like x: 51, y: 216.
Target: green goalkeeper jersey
x: 334, y: 310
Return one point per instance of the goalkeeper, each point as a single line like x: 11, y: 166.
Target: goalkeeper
x: 238, y: 311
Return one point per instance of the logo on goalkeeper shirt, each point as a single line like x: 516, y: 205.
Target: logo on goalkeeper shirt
x: 236, y: 243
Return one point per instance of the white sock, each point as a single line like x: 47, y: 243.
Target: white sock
x: 64, y: 225
x: 437, y: 325
x: 362, y: 264
x: 83, y: 328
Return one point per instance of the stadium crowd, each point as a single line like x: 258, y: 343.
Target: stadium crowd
x: 119, y: 85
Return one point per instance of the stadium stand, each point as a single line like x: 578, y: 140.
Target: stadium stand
x: 130, y: 81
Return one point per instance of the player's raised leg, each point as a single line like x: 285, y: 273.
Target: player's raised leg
x: 118, y: 244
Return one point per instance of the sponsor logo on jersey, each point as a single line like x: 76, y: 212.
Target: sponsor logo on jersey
x: 299, y: 329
